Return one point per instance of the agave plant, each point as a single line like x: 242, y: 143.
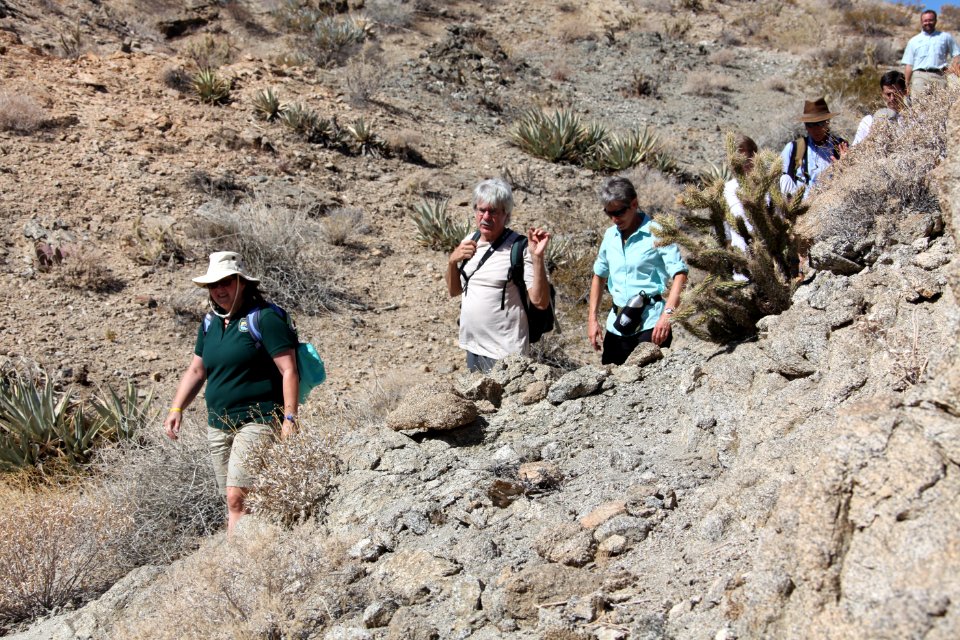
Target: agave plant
x: 122, y: 417
x: 556, y: 138
x: 715, y: 172
x: 365, y: 141
x: 37, y: 424
x: 436, y: 229
x: 331, y: 37
x: 308, y: 124
x: 266, y: 105
x: 210, y: 88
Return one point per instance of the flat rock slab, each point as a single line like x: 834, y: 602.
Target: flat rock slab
x: 433, y: 406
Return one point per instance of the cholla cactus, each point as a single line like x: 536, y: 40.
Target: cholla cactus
x: 721, y: 308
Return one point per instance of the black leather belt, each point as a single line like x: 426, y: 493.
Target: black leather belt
x: 939, y: 72
x: 656, y: 298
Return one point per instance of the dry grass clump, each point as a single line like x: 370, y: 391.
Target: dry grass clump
x: 706, y: 84
x: 892, y: 165
x: 294, y: 475
x: 166, y: 489
x: 363, y: 78
x: 391, y: 14
x: 88, y: 271
x: 58, y: 546
x: 267, y: 582
x: 384, y: 394
x: 279, y: 245
x: 343, y: 225
x: 657, y: 192
x: 20, y: 113
x: 722, y: 57
x: 209, y: 52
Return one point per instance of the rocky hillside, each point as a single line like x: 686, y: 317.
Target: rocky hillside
x: 799, y: 485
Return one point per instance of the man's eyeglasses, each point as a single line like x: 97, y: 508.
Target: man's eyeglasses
x: 617, y: 212
x: 824, y: 123
x: 490, y: 212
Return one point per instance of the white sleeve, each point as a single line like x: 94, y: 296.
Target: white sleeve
x: 787, y: 184
x: 863, y: 130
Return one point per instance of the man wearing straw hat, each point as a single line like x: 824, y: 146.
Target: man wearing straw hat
x: 805, y: 158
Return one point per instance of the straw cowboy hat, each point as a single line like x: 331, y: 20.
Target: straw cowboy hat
x: 223, y: 264
x: 816, y: 111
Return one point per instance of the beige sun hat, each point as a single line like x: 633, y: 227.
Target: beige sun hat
x: 224, y: 264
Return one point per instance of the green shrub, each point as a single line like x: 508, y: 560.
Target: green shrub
x: 39, y: 425
x: 210, y: 88
x: 335, y: 39
x: 266, y: 105
x: 124, y: 416
x: 563, y: 137
x: 436, y: 229
x: 362, y: 139
x: 722, y: 308
x: 308, y: 124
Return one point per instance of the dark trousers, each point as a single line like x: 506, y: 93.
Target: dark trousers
x: 616, y: 349
x: 479, y: 363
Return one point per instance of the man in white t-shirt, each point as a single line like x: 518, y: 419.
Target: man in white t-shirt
x: 493, y: 322
x: 893, y: 86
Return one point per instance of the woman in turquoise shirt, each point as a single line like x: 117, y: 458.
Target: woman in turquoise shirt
x: 630, y: 262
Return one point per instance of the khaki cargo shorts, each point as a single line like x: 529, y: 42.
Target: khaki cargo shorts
x: 230, y: 450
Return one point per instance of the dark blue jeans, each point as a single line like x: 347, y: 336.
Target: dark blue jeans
x: 479, y: 363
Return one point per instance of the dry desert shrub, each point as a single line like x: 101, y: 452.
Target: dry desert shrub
x: 267, y: 582
x: 384, y: 394
x: 343, y: 225
x: 722, y: 57
x: 706, y: 84
x: 363, y: 78
x: 209, y: 52
x: 393, y: 15
x: 166, y: 489
x: 657, y: 192
x: 87, y: 270
x: 57, y: 547
x: 294, y: 475
x: 892, y: 165
x: 279, y: 245
x: 20, y: 113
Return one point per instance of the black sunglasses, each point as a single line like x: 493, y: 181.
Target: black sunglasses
x: 617, y: 213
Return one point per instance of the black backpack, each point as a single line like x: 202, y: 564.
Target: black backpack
x: 540, y: 321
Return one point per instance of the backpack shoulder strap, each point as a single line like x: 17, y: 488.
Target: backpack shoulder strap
x: 253, y: 321
x: 798, y: 158
x: 515, y: 274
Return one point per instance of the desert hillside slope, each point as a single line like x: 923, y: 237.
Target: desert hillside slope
x: 802, y: 484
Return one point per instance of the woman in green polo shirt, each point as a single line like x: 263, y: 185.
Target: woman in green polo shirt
x: 251, y: 385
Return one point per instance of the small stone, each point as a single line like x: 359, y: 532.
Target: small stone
x: 603, y: 513
x: 645, y: 353
x: 379, y: 613
x: 534, y: 393
x: 540, y: 474
x: 612, y: 546
x: 504, y: 492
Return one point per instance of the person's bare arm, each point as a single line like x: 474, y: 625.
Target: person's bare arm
x: 464, y: 251
x: 661, y: 331
x: 286, y: 362
x: 594, y: 330
x: 190, y: 384
x: 907, y: 73
x: 539, y: 292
